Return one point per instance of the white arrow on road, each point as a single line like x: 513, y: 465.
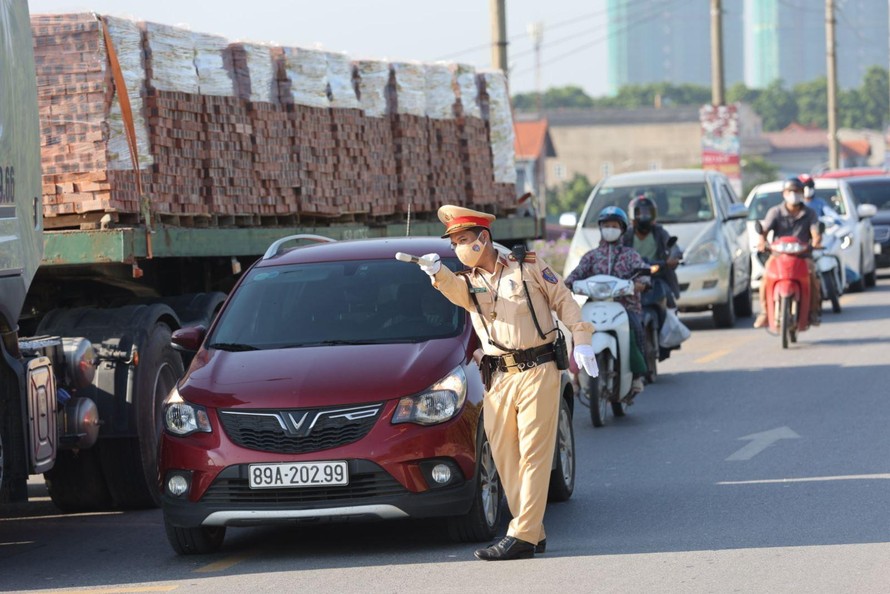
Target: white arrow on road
x: 761, y: 441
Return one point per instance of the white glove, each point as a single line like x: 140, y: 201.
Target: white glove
x: 585, y: 357
x: 431, y: 269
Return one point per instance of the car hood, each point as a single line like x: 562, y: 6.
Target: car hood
x: 319, y: 376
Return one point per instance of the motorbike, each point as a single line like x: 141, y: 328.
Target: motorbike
x: 831, y: 268
x: 611, y: 342
x: 655, y: 302
x: 787, y: 279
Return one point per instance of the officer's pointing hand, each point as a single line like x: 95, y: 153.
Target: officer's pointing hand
x: 585, y: 357
x: 431, y: 269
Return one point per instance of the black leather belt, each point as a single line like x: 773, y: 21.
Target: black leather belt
x: 522, y: 360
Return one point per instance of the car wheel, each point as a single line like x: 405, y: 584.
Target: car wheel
x: 724, y: 313
x: 200, y: 540
x: 859, y: 285
x: 481, y: 522
x: 871, y: 279
x: 562, y: 477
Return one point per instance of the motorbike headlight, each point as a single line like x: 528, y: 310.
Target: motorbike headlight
x: 183, y: 418
x: 601, y: 290
x: 846, y: 241
x: 437, y: 404
x: 704, y: 253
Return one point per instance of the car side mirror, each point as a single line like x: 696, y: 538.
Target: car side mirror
x: 189, y: 338
x: 758, y: 227
x: 737, y: 211
x: 568, y: 219
x: 866, y: 210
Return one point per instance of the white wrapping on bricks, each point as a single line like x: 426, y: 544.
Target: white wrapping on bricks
x: 127, y: 39
x: 213, y: 76
x: 467, y: 89
x: 439, y: 92
x: 340, y: 81
x: 172, y: 59
x: 373, y: 76
x: 500, y: 121
x: 410, y: 88
x: 308, y: 72
x: 262, y: 72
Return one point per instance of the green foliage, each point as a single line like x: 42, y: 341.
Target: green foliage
x: 776, y: 105
x: 570, y: 196
x: 756, y: 170
x: 812, y: 102
x: 554, y: 98
x: 739, y: 93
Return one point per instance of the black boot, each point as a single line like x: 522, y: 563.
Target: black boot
x: 541, y: 547
x: 508, y: 548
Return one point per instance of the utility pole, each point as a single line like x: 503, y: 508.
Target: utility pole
x: 536, y: 31
x: 833, y: 160
x: 717, y: 84
x: 499, y: 34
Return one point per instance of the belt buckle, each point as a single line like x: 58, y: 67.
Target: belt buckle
x: 510, y: 363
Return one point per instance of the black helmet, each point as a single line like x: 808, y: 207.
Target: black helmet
x: 643, y: 211
x: 793, y: 184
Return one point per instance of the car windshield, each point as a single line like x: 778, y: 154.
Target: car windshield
x: 873, y: 192
x: 676, y: 203
x: 351, y: 302
x: 763, y: 201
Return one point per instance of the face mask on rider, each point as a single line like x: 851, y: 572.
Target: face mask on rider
x: 808, y: 192
x: 793, y: 198
x: 610, y: 234
x: 470, y: 253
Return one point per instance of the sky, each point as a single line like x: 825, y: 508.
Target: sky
x: 573, y: 50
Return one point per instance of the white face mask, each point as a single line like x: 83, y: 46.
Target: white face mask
x: 808, y: 192
x: 792, y: 198
x: 470, y: 253
x: 610, y: 234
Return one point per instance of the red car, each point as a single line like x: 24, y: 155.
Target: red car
x: 335, y: 383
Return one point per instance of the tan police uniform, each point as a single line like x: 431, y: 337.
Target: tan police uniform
x: 521, y: 408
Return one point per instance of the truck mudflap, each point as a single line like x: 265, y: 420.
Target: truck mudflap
x: 43, y: 433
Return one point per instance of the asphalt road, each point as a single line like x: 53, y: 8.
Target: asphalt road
x: 744, y: 468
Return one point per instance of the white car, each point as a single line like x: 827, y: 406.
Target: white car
x: 857, y: 246
x: 700, y: 208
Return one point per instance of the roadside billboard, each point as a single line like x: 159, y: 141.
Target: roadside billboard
x: 720, y: 146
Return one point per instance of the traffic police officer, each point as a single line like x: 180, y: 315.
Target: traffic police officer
x: 521, y: 405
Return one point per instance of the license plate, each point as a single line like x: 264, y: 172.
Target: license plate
x: 298, y: 474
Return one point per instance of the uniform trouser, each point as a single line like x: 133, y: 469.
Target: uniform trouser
x: 521, y: 412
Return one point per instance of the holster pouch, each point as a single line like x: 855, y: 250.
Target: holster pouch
x: 486, y: 369
x: 560, y: 351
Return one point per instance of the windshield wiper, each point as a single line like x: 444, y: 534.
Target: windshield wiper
x: 232, y: 346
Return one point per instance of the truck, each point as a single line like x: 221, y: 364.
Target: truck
x: 142, y: 166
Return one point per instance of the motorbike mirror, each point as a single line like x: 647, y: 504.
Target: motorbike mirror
x: 758, y: 227
x: 672, y: 241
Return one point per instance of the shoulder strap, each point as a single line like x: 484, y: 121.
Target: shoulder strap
x: 491, y: 341
x: 531, y: 306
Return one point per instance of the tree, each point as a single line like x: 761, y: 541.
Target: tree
x: 570, y: 196
x: 776, y: 105
x: 740, y: 93
x: 812, y: 102
x: 554, y: 98
x: 873, y: 97
x: 757, y: 170
x: 850, y: 107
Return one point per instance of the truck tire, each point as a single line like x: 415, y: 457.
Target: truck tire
x: 13, y: 476
x: 76, y: 482
x: 160, y: 367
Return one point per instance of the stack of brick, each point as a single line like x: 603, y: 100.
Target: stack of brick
x: 496, y: 106
x: 350, y: 177
x: 475, y: 150
x: 74, y: 110
x: 411, y: 137
x: 446, y: 178
x: 379, y: 158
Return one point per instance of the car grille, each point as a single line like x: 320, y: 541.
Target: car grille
x: 366, y: 481
x: 299, y: 431
x: 882, y: 233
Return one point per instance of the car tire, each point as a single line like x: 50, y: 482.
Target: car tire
x: 744, y: 308
x: 562, y: 477
x: 724, y: 313
x: 481, y: 521
x: 871, y: 279
x: 859, y: 285
x: 200, y: 540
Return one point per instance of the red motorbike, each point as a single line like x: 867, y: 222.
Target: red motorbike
x: 787, y: 279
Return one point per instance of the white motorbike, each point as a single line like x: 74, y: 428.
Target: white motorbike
x: 830, y: 265
x: 611, y: 342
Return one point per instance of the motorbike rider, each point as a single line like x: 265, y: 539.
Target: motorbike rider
x: 817, y: 204
x: 650, y: 240
x: 613, y: 258
x: 795, y: 219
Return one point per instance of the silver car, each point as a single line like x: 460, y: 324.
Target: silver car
x: 701, y: 209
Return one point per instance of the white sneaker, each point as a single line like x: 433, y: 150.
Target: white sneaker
x: 637, y: 386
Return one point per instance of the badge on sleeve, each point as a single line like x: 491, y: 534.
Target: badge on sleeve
x: 549, y: 276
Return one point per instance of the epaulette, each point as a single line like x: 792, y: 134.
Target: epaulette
x: 529, y: 257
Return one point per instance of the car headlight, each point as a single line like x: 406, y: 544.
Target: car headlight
x: 184, y: 418
x: 704, y: 253
x: 438, y: 403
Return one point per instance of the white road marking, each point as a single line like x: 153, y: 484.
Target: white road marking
x: 811, y: 479
x: 761, y: 441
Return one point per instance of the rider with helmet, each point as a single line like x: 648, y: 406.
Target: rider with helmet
x: 613, y: 258
x: 651, y: 241
x: 817, y: 204
x: 793, y: 218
